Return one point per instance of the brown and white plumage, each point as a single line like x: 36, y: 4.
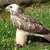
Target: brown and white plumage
x: 25, y: 24
x: 29, y: 24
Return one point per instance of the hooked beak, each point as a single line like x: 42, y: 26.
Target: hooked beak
x: 7, y: 8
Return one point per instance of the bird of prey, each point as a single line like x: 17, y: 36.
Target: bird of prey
x: 25, y: 24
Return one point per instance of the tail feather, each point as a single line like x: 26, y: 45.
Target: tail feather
x: 45, y: 36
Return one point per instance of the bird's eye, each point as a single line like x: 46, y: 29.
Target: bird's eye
x: 10, y: 6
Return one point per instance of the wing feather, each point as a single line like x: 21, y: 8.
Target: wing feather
x: 28, y: 23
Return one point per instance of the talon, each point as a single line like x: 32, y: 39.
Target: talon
x: 19, y: 46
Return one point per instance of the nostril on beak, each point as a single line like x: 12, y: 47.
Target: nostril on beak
x: 18, y: 46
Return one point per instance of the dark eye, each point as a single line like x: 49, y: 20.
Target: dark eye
x: 10, y: 6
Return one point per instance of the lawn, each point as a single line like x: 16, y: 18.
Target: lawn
x: 7, y: 30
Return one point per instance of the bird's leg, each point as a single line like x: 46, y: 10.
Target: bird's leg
x: 21, y: 37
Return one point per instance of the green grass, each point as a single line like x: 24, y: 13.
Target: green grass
x: 7, y: 30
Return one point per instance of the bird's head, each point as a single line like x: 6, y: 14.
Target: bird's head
x: 14, y: 8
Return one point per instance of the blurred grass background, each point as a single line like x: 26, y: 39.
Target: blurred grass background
x: 7, y: 31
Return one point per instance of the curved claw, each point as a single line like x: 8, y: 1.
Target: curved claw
x: 18, y: 46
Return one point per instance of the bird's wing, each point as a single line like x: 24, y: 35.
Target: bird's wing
x: 28, y: 23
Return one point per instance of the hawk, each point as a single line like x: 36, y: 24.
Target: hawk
x: 25, y: 24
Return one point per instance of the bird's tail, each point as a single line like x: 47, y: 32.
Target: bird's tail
x: 45, y: 36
